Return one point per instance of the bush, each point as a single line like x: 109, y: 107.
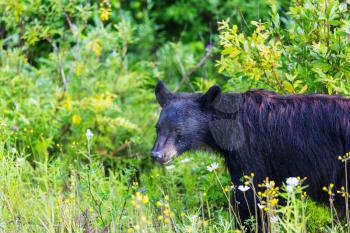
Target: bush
x: 308, y: 50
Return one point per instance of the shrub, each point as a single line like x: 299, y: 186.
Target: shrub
x: 308, y: 50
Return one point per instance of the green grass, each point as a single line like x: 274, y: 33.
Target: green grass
x: 83, y: 196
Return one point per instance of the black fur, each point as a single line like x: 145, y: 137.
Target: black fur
x: 271, y: 135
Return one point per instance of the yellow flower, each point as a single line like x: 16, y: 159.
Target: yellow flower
x: 274, y: 201
x: 167, y: 220
x: 145, y: 199
x: 158, y: 203
x: 105, y: 10
x: 95, y: 46
x: 67, y: 104
x: 76, y: 119
x: 166, y: 197
x: 105, y: 13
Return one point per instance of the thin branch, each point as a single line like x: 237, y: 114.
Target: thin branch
x: 186, y: 76
x: 60, y: 65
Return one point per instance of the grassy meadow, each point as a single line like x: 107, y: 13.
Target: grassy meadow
x: 77, y: 110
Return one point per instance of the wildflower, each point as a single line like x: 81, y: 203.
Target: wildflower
x: 185, y: 160
x: 260, y: 206
x: 15, y: 128
x: 89, y: 134
x: 170, y: 167
x: 289, y: 188
x: 158, y: 203
x: 105, y: 10
x: 95, y: 46
x: 274, y: 201
x: 145, y: 199
x: 292, y: 181
x: 14, y: 150
x: 273, y: 219
x: 243, y: 188
x: 166, y: 197
x: 143, y: 190
x: 212, y: 167
x: 76, y: 119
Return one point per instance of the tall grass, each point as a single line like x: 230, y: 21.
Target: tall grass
x: 193, y: 195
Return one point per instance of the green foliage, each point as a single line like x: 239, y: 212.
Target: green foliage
x: 307, y: 51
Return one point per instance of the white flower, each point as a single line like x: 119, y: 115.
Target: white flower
x: 170, y: 167
x: 243, y: 188
x: 274, y: 219
x: 292, y: 181
x: 289, y: 188
x: 14, y: 150
x: 89, y: 134
x: 213, y: 167
x: 185, y: 160
x: 260, y: 206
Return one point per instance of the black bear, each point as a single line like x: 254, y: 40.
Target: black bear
x: 259, y: 131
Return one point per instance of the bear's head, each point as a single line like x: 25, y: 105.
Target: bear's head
x: 187, y: 121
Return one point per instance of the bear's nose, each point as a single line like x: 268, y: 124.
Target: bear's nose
x: 156, y: 155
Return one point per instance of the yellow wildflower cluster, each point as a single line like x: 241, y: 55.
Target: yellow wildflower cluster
x: 329, y: 189
x: 95, y: 46
x: 343, y: 192
x: 248, y: 179
x: 140, y: 203
x: 66, y: 102
x: 105, y: 10
x: 269, y: 197
x: 345, y: 157
x: 76, y: 119
x: 165, y: 213
x: 139, y: 199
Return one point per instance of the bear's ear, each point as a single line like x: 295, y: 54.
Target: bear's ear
x: 211, y: 97
x: 163, y: 95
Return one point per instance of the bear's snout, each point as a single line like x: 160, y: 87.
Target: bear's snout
x: 156, y: 155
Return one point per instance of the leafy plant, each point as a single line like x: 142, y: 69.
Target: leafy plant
x: 308, y: 50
